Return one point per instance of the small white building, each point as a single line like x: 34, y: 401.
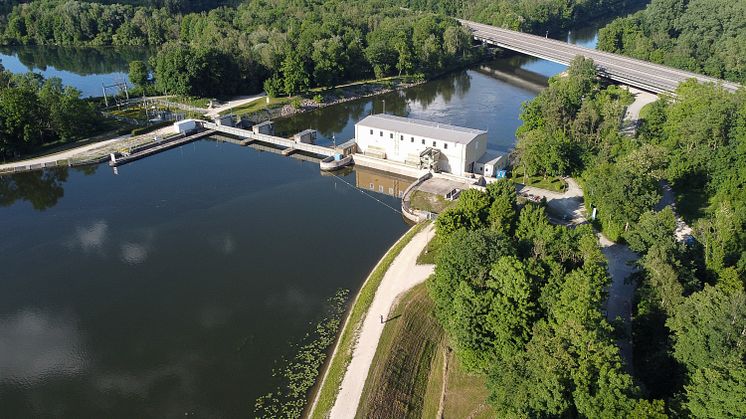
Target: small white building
x: 490, y: 164
x: 185, y: 126
x: 417, y: 142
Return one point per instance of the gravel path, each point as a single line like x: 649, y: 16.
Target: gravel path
x: 62, y: 155
x: 402, y: 275
x: 234, y: 103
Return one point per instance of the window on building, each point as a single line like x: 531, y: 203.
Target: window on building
x: 380, y: 188
x: 391, y: 135
x: 433, y: 143
x: 445, y: 146
x: 371, y: 132
x: 402, y: 138
x: 380, y: 134
x: 371, y: 186
x: 423, y: 141
x: 412, y: 139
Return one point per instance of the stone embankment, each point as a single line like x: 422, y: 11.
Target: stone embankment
x: 334, y: 97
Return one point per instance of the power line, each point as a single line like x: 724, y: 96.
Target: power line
x: 398, y: 211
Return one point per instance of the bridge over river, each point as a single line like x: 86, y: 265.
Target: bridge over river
x: 630, y: 71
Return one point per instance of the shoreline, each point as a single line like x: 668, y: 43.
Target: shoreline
x: 349, y: 332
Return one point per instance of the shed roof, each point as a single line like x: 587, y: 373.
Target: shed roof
x: 491, y: 157
x: 421, y: 128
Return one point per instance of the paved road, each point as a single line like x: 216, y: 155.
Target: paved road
x: 632, y: 114
x: 647, y: 76
x: 568, y: 206
x: 403, y: 274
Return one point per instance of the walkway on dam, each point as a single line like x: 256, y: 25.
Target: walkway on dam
x: 630, y: 71
x: 403, y: 274
x: 270, y: 139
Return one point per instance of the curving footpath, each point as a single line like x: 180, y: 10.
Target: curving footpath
x: 402, y: 275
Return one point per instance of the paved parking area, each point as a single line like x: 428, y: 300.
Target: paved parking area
x: 439, y: 186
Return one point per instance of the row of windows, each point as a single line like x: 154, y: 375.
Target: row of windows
x: 391, y: 135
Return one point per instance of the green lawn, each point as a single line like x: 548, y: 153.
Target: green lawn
x: 258, y: 105
x: 134, y: 112
x: 397, y: 382
x: 407, y: 377
x: 199, y: 102
x: 329, y: 388
x: 551, y: 183
x: 429, y: 202
x: 466, y: 394
x: 430, y: 252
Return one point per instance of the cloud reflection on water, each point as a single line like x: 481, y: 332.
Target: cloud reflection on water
x: 35, y: 345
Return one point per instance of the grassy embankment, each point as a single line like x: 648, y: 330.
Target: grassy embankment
x: 407, y: 376
x: 335, y: 370
x: 551, y: 183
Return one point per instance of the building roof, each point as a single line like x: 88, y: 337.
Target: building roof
x: 491, y: 157
x: 421, y: 128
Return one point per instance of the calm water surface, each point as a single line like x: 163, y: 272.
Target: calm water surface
x: 173, y: 288
x: 86, y: 69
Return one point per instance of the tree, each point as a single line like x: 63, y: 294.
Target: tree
x: 139, y: 74
x: 620, y: 196
x: 464, y: 256
x: 709, y: 327
x: 652, y: 228
x: 470, y: 212
x: 20, y: 113
x: 718, y: 390
x: 329, y: 61
x: 514, y: 307
x: 294, y: 74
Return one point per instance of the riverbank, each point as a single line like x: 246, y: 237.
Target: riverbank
x: 282, y: 107
x: 360, y: 327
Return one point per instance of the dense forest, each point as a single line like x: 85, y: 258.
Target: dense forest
x: 690, y: 307
x: 704, y: 36
x: 35, y: 111
x: 522, y: 302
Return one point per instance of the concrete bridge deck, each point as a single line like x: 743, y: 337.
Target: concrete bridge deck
x: 270, y: 139
x: 165, y: 145
x: 647, y: 76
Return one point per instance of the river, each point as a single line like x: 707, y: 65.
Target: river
x: 174, y: 287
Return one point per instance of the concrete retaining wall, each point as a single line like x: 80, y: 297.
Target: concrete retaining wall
x: 410, y: 213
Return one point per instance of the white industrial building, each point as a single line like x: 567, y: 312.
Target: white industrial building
x: 427, y: 144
